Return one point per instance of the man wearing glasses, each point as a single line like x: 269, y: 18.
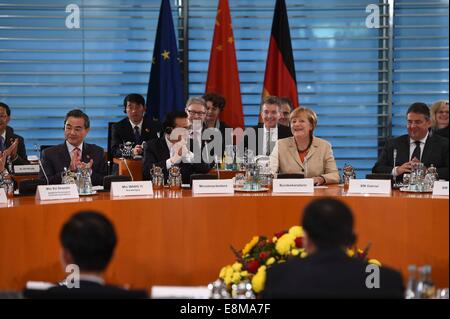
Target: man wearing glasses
x: 74, y: 152
x: 196, y: 111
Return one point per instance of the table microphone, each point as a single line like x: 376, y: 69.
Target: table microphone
x: 36, y: 148
x: 395, y: 164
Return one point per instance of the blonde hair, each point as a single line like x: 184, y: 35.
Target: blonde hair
x: 434, y: 109
x: 310, y: 115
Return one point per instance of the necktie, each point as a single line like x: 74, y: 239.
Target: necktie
x: 137, y: 135
x: 2, y: 144
x: 268, y: 143
x: 76, y: 153
x: 416, y: 152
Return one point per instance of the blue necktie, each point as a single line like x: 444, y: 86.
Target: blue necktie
x: 137, y: 135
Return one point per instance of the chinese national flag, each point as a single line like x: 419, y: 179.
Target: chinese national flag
x: 280, y: 79
x: 223, y: 76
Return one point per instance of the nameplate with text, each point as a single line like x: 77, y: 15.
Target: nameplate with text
x: 55, y: 192
x: 123, y: 189
x: 3, y: 198
x: 295, y: 185
x: 369, y: 186
x: 440, y: 188
x: 26, y: 169
x: 212, y: 186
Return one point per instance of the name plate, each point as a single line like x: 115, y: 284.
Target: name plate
x: 212, y: 186
x: 369, y: 186
x: 295, y: 185
x: 440, y: 188
x: 26, y: 169
x: 123, y: 189
x: 54, y: 192
x: 3, y: 198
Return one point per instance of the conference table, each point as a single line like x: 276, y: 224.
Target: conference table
x: 180, y: 238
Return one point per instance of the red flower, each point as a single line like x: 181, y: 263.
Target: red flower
x: 262, y: 243
x: 299, y: 242
x: 252, y: 266
x: 281, y: 233
x: 264, y: 255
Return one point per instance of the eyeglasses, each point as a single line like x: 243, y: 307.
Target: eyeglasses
x: 442, y: 112
x: 196, y: 113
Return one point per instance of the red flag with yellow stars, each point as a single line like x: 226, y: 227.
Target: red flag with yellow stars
x: 280, y: 79
x: 223, y: 76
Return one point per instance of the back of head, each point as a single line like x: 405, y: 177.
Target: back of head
x: 329, y: 223
x: 90, y: 239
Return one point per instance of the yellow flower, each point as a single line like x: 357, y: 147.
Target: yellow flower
x: 250, y: 245
x: 223, y: 271
x: 295, y: 252
x: 244, y: 274
x: 270, y: 261
x: 259, y: 280
x: 350, y: 252
x: 297, y: 231
x: 284, y: 244
x: 237, y: 266
x: 274, y: 239
x: 360, y: 251
x: 281, y: 261
x: 375, y: 262
x: 303, y: 254
x: 236, y: 278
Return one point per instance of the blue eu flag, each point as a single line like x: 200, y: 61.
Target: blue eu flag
x: 165, y: 89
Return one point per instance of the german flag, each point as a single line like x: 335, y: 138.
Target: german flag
x: 280, y: 79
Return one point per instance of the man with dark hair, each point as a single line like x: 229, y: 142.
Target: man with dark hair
x: 8, y: 138
x: 327, y: 271
x: 417, y: 146
x: 136, y: 127
x: 74, y: 152
x: 268, y: 132
x: 285, y: 110
x: 88, y: 240
x: 171, y: 149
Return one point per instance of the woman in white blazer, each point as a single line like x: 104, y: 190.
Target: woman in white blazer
x: 303, y: 152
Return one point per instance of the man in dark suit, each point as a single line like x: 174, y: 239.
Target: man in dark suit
x: 171, y: 149
x: 327, y: 271
x: 416, y: 146
x: 74, y: 152
x: 136, y: 127
x: 442, y: 132
x: 268, y: 132
x: 7, y: 137
x: 88, y: 240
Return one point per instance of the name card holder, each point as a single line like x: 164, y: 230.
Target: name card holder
x: 124, y: 189
x: 294, y: 185
x: 3, y: 198
x: 440, y: 188
x: 369, y: 186
x: 26, y: 169
x: 212, y: 186
x: 56, y: 192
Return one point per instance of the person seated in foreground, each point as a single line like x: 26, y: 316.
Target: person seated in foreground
x: 88, y: 240
x: 327, y: 271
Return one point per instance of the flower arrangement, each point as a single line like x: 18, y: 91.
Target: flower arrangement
x: 261, y: 253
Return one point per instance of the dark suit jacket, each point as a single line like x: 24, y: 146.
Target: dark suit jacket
x: 442, y: 132
x: 158, y: 153
x: 55, y: 158
x: 21, y: 151
x: 88, y: 289
x: 435, y: 152
x: 329, y: 274
x: 123, y: 132
x: 219, y: 151
x: 283, y: 132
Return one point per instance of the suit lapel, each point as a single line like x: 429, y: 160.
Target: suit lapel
x: 426, y: 153
x: 163, y: 149
x: 294, y: 153
x: 64, y: 155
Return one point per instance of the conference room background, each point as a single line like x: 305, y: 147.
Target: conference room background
x: 358, y: 79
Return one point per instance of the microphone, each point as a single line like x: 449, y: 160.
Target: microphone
x: 129, y: 171
x: 36, y: 148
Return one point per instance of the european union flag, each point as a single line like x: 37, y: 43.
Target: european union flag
x: 165, y: 88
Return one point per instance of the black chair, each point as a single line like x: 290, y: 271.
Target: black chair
x: 29, y: 186
x: 107, y: 180
x: 202, y: 176
x: 43, y: 147
x: 110, y: 155
x: 290, y: 176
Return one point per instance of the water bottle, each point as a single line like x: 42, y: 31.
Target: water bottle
x: 425, y: 287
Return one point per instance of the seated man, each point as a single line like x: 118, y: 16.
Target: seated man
x: 327, y: 271
x: 285, y: 110
x: 417, y: 146
x: 88, y: 240
x: 74, y: 152
x: 136, y: 127
x: 171, y: 149
x: 7, y: 138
